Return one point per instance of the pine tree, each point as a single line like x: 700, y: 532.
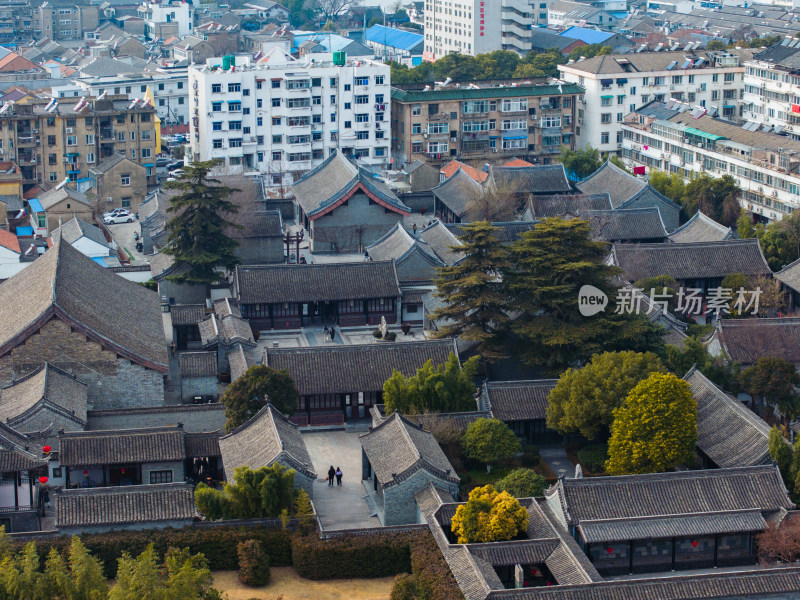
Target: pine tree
x: 197, y: 229
x: 475, y: 305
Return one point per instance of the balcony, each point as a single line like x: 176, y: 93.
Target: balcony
x: 25, y: 159
x: 107, y: 135
x: 510, y: 113
x: 439, y: 136
x: 25, y: 141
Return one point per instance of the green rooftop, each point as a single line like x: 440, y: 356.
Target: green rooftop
x: 467, y: 93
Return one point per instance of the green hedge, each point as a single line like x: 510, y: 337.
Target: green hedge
x: 253, y: 563
x: 434, y: 581
x: 217, y: 544
x: 363, y: 556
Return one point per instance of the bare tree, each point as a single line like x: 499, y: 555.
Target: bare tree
x: 772, y: 299
x: 498, y: 202
x: 333, y: 8
x: 780, y: 542
x: 445, y: 429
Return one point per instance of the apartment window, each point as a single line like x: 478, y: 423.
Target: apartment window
x: 246, y: 92
x: 90, y: 139
x: 216, y: 126
x: 234, y: 87
x: 604, y: 137
x: 378, y: 79
x: 316, y: 100
x: 299, y: 156
x: 334, y: 136
x: 379, y: 135
x: 362, y: 135
x: 216, y: 143
x: 72, y: 140
x: 180, y: 100
x: 276, y: 121
x: 433, y: 109
x: 347, y: 106
x: 51, y: 140
x: 51, y: 121
x: 691, y: 78
x: 145, y: 152
x: 677, y: 79
x: 133, y: 136
x: 71, y: 122
x: 619, y: 117
x: 180, y: 85
x: 277, y: 155
x: 298, y: 84
x: 715, y: 94
x: 316, y: 119
x: 53, y: 177
x: 90, y: 158
x: 333, y: 117
x: 162, y: 102
x: 362, y: 99
x: 260, y: 140
x: 316, y: 136
x: 161, y: 476
x: 347, y: 124
x: 379, y: 116
x: 379, y: 100
x: 216, y: 106
x: 606, y: 100
x: 605, y: 118
x: 258, y: 85
x: 234, y: 106
x: 160, y: 87
x: 235, y: 142
x: 235, y: 125
x: 715, y: 78
x: 145, y: 134
x: 416, y: 128
x: 298, y: 102
x: 133, y: 153
x: 276, y: 102
x: 729, y: 77
x: 346, y: 87
x: 658, y: 80
x: 125, y: 179
x: 361, y: 80
x: 51, y: 159
x: 316, y: 82
x: 259, y: 121
x: 416, y: 109
x: 621, y: 99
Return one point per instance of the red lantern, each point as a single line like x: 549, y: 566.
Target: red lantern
x: 122, y: 471
x: 694, y: 544
x: 533, y: 571
x: 86, y: 472
x: 47, y: 449
x: 610, y: 550
x: 42, y: 479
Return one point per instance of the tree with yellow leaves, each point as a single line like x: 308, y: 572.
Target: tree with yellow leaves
x: 655, y: 429
x: 489, y: 516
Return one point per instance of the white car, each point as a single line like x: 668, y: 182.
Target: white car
x: 117, y: 212
x: 118, y: 218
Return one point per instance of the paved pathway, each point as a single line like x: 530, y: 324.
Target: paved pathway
x: 556, y: 458
x: 339, y: 507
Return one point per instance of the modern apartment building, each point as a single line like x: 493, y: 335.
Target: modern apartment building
x: 284, y: 116
x: 772, y: 90
x: 16, y: 21
x: 170, y: 88
x: 485, y: 119
x: 64, y: 22
x: 477, y: 26
x: 619, y: 84
x: 66, y: 142
x: 680, y: 139
x: 164, y: 18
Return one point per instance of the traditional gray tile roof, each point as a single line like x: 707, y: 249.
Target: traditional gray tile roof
x: 618, y: 530
x: 226, y: 306
x: 113, y: 506
x: 397, y: 448
x: 198, y: 364
x: 266, y: 438
x: 187, y: 314
x: 76, y: 228
x: 336, y: 179
x: 120, y: 446
x: 228, y: 330
x: 609, y: 178
x: 671, y: 494
x: 442, y: 240
x: 354, y: 368
x: 398, y: 244
x: 194, y: 418
x: 18, y: 452
x: 268, y: 284
x: 52, y: 197
x: 119, y: 314
x: 46, y: 388
x: 701, y: 228
x: 747, y: 340
x: 237, y: 360
x: 507, y: 231
x: 198, y: 445
x: 542, y: 179
x: 789, y: 275
x: 517, y: 400
x: 649, y: 196
x: 258, y: 224
x: 626, y: 225
x: 700, y: 260
x: 568, y: 204
x: 458, y: 191
x: 110, y: 162
x: 729, y: 433
x: 461, y: 420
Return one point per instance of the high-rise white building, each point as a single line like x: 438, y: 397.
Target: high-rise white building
x: 771, y: 95
x: 619, y: 84
x: 283, y: 116
x: 477, y: 26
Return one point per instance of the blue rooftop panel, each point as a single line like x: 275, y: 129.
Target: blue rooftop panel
x: 588, y: 36
x: 35, y: 205
x: 24, y: 231
x: 389, y: 36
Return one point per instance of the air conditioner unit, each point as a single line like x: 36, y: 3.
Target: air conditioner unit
x: 494, y: 149
x: 69, y: 129
x: 425, y: 136
x: 35, y: 131
x: 109, y: 198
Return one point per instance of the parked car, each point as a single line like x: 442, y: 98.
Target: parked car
x: 162, y: 162
x: 175, y: 165
x: 121, y: 218
x: 117, y: 212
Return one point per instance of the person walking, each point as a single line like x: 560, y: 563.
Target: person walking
x: 333, y: 333
x: 331, y: 475
x: 338, y: 476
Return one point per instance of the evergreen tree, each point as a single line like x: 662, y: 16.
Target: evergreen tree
x: 773, y: 381
x: 474, y: 303
x: 250, y: 393
x: 550, y: 264
x: 443, y: 388
x: 197, y: 229
x: 581, y: 163
x: 490, y: 440
x: 781, y: 454
x: 656, y: 429
x: 522, y: 483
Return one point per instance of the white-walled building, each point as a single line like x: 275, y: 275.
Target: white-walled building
x: 283, y: 116
x: 771, y: 95
x: 170, y: 90
x: 619, y: 84
x: 680, y: 139
x: 477, y: 26
x: 167, y: 17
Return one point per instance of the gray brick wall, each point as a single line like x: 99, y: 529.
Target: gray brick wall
x: 176, y: 467
x: 399, y: 506
x: 349, y: 228
x: 198, y: 386
x: 126, y: 527
x: 195, y: 418
x: 130, y: 387
x: 177, y: 293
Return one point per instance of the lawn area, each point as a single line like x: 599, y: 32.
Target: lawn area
x: 286, y: 584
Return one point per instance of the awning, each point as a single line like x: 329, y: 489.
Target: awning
x: 74, y: 171
x: 35, y: 205
x: 73, y: 153
x: 234, y: 101
x: 622, y: 81
x: 515, y: 137
x: 149, y: 165
x: 609, y: 96
x: 703, y: 134
x: 606, y: 81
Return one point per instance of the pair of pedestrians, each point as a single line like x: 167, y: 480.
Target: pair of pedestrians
x: 335, y: 473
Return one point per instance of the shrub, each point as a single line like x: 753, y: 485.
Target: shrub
x: 434, y: 580
x: 253, y: 563
x: 594, y: 457
x: 405, y: 328
x: 522, y: 483
x: 351, y: 557
x: 377, y: 334
x: 404, y: 588
x: 390, y: 336
x: 489, y: 516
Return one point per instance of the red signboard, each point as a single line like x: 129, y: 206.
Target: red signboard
x: 639, y: 170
